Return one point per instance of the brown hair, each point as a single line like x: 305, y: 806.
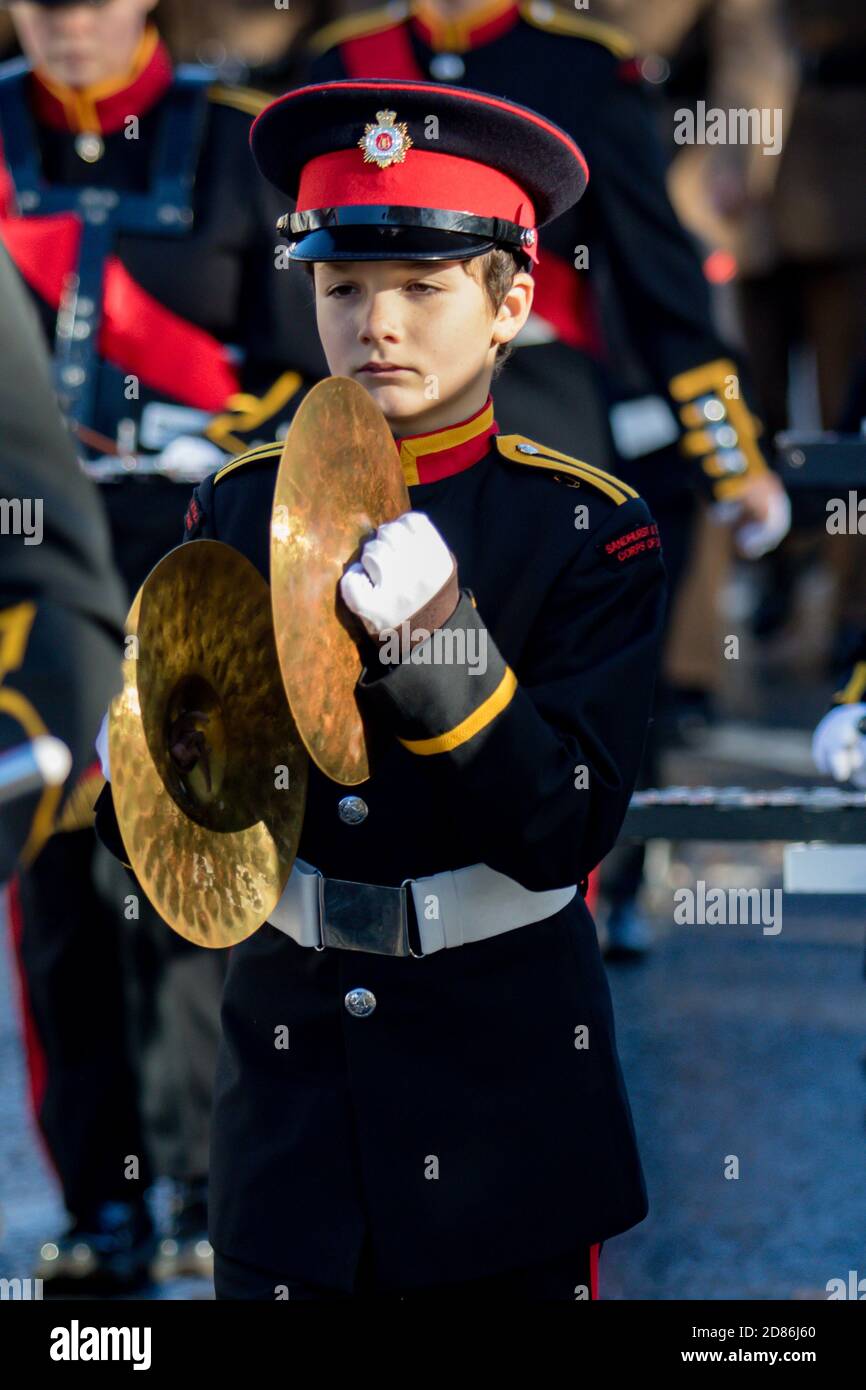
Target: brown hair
x: 497, y: 269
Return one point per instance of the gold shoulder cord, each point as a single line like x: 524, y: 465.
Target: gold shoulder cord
x: 521, y: 450
x: 617, y: 41
x: 354, y: 26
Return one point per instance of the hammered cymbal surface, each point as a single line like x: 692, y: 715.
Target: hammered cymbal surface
x: 212, y: 847
x: 339, y: 479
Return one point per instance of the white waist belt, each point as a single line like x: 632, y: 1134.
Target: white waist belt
x: 451, y: 908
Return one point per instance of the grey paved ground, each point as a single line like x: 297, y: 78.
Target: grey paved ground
x: 737, y: 1043
x: 734, y: 1043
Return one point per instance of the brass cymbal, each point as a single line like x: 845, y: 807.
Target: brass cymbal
x: 339, y: 479
x: 212, y: 846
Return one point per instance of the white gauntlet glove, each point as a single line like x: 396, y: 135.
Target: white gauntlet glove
x: 400, y: 570
x: 189, y: 458
x: 756, y: 538
x: 838, y: 748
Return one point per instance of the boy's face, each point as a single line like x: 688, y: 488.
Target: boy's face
x: 429, y: 320
x: 81, y: 45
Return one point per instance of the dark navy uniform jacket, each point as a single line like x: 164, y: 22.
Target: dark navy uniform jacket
x: 459, y: 1121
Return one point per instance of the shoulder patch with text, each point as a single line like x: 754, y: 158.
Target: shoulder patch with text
x: 640, y: 540
x: 193, y: 519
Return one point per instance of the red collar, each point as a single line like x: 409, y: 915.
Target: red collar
x: 104, y: 108
x: 426, y: 458
x: 488, y: 21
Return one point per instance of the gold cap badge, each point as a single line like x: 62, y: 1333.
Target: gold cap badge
x: 385, y: 142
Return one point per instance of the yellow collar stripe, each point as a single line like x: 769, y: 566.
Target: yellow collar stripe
x: 455, y: 35
x: 412, y: 449
x: 80, y: 103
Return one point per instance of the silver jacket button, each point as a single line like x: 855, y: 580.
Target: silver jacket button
x: 89, y: 147
x: 360, y: 1002
x: 447, y: 67
x: 352, y: 810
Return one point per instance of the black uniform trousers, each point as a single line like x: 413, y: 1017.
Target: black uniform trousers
x: 81, y: 1058
x: 567, y: 1278
x: 121, y: 1022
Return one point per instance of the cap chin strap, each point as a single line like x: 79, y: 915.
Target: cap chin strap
x: 497, y: 229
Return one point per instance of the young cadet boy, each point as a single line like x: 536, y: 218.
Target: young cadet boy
x: 449, y: 1120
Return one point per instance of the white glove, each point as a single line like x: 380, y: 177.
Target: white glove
x: 101, y: 746
x: 757, y: 538
x: 400, y: 570
x: 189, y: 458
x: 837, y: 746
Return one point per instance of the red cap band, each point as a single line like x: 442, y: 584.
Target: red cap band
x: 424, y: 180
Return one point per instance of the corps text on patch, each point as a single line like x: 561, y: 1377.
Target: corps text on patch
x: 631, y: 544
x: 192, y: 519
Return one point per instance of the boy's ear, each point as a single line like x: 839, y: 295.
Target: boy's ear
x: 515, y: 308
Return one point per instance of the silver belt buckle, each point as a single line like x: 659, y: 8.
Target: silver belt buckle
x: 364, y: 917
